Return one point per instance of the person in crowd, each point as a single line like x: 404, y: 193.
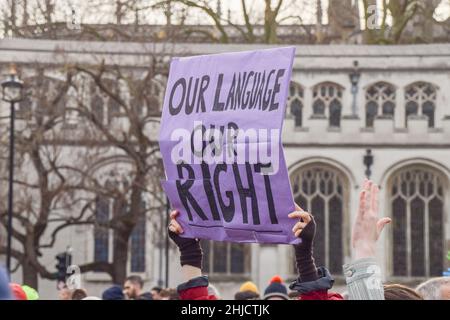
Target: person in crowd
x: 156, y: 293
x: 246, y: 295
x: 400, y: 292
x: 133, y: 289
x: 312, y: 283
x: 195, y: 285
x: 435, y: 289
x: 169, y: 294
x: 276, y: 290
x: 113, y: 293
x: 91, y: 298
x: 247, y: 291
x: 79, y: 294
x: 31, y: 293
x: 17, y: 291
x: 363, y: 275
x: 65, y: 293
x: 212, y: 290
x: 5, y: 290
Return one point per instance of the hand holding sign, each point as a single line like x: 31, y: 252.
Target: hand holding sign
x: 191, y: 254
x: 305, y: 229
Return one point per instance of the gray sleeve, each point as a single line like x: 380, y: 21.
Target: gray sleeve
x: 363, y: 279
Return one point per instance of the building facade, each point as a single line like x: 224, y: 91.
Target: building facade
x: 353, y: 111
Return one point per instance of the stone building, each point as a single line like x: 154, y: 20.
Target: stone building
x: 344, y: 100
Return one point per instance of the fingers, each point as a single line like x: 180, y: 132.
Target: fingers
x: 381, y: 224
x: 174, y: 226
x: 374, y: 199
x: 367, y: 196
x: 305, y: 216
x: 174, y: 214
x: 299, y: 226
x: 362, y: 196
x: 297, y: 207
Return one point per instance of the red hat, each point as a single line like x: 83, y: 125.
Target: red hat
x: 17, y: 291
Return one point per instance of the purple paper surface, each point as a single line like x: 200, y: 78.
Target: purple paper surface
x: 220, y: 141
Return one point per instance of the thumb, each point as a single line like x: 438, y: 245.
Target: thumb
x: 381, y: 224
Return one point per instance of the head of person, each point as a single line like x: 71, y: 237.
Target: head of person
x: 17, y: 291
x: 435, y: 289
x: 247, y: 291
x: 246, y: 295
x: 65, y: 294
x: 91, y: 298
x: 156, y: 293
x: 132, y: 287
x: 400, y: 292
x: 31, y: 293
x: 294, y: 295
x: 79, y: 294
x: 276, y: 290
x: 169, y: 294
x: 113, y: 293
x: 249, y: 286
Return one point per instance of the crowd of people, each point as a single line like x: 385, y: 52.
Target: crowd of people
x: 363, y: 275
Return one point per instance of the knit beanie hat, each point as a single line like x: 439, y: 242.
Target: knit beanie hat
x: 113, y: 293
x: 30, y: 293
x: 277, y: 289
x: 249, y: 286
x: 17, y: 291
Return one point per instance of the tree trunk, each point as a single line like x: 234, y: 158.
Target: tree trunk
x: 29, y: 274
x: 120, y: 256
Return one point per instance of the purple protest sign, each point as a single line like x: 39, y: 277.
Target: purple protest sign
x: 220, y: 140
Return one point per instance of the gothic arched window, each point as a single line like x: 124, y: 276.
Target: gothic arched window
x: 101, y: 231
x: 44, y: 97
x: 380, y: 100
x: 420, y: 99
x: 321, y: 190
x: 108, y: 208
x: 417, y: 204
x: 104, y: 106
x: 327, y: 101
x: 138, y: 241
x: 295, y: 103
x: 97, y: 108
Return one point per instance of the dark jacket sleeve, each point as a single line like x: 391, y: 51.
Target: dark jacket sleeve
x: 195, y: 289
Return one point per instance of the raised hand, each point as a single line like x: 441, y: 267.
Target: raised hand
x: 368, y: 226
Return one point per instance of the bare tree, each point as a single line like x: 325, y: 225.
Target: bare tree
x: 43, y: 186
x: 125, y: 128
x: 55, y: 186
x: 209, y: 8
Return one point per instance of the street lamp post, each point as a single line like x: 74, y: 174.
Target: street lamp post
x: 368, y: 162
x: 355, y: 75
x: 12, y: 89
